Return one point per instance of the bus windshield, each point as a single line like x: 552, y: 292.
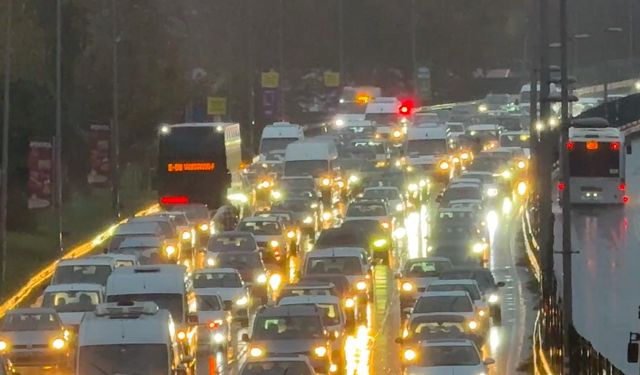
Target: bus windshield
x: 599, y: 162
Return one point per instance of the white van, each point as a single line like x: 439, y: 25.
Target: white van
x: 310, y: 157
x: 383, y: 111
x: 427, y: 149
x: 169, y: 286
x: 128, y: 338
x: 86, y: 270
x: 277, y: 136
x: 72, y: 301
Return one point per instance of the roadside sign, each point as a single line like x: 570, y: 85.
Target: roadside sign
x: 331, y: 79
x: 270, y: 80
x: 216, y: 105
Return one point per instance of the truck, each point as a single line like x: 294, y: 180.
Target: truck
x: 198, y: 162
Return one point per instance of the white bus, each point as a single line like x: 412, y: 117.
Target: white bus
x: 596, y: 166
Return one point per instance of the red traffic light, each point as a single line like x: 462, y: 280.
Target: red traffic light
x: 406, y: 107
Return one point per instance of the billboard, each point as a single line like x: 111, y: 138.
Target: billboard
x: 100, y: 155
x: 40, y: 164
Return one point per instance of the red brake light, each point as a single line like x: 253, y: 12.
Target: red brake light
x: 625, y: 199
x: 174, y: 199
x: 622, y: 187
x: 561, y: 186
x: 614, y: 146
x: 214, y: 325
x: 570, y: 146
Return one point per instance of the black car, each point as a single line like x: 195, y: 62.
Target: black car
x: 232, y: 241
x: 379, y: 240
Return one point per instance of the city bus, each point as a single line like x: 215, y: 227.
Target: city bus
x: 596, y: 165
x: 197, y: 162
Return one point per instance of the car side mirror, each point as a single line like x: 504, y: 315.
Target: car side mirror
x: 227, y: 305
x: 399, y: 340
x: 192, y: 319
x: 629, y: 149
x: 500, y: 284
x: 489, y: 361
x: 245, y: 337
x: 632, y: 352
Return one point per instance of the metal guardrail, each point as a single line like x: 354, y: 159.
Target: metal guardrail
x: 547, y: 337
x: 37, y: 281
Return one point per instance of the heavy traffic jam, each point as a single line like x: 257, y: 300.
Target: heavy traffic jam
x: 271, y: 266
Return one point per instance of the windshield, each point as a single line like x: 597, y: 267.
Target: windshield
x: 172, y: 302
x: 600, y: 161
x: 145, y: 255
x: 367, y: 147
x: 382, y: 118
x: 425, y: 268
x: 462, y: 193
x: 366, y: 210
x: 71, y: 301
x: 195, y: 212
x: 336, y: 237
x: 484, y: 177
x: 315, y: 168
x: 208, y: 303
x: 276, y: 368
x: 268, y: 145
x: 217, y: 280
x: 30, y: 322
x: 435, y: 330
x: 436, y: 304
x: 427, y: 147
x: 297, y: 183
x: 261, y: 228
x: 294, y: 205
x: 486, y: 164
x: 334, y: 265
x: 238, y: 261
x: 81, y: 274
x: 228, y: 242
x: 473, y: 291
x: 484, y: 279
x: 456, y: 128
x: 433, y: 356
x: 130, y: 359
x: 287, y: 328
x: 514, y: 140
x: 390, y: 194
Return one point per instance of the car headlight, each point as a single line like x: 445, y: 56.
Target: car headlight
x: 399, y: 233
x: 291, y: 234
x: 170, y: 250
x: 380, y: 243
x: 429, y: 249
x: 58, y: 344
x: 478, y: 248
x: 218, y: 338
x: 522, y: 188
x: 349, y: 303
x: 482, y: 313
x: 492, y: 192
x: 472, y: 325
x: 242, y: 301
x: 361, y: 285
x: 275, y: 280
x: 256, y: 352
x: 409, y: 355
x: 443, y: 165
x: 493, y: 298
x: 353, y: 179
x: 521, y: 164
x: 386, y: 225
x: 204, y: 227
x: 320, y: 351
x: 483, y: 108
x: 186, y: 235
x: 506, y: 174
x: 326, y: 216
x: 211, y: 262
x: 3, y: 346
x: 274, y: 243
x: 308, y: 220
x: 182, y: 335
x: 397, y: 134
x: 326, y: 181
x: 399, y: 207
x: 275, y: 194
x: 464, y: 156
x: 413, y: 187
x: 261, y: 279
x: 339, y: 122
x: 407, y: 286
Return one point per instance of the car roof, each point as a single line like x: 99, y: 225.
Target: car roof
x: 453, y: 293
x: 215, y: 270
x: 381, y: 188
x: 32, y: 310
x: 429, y: 259
x: 336, y: 252
x: 141, y: 241
x: 462, y: 185
x: 261, y: 218
x: 87, y: 261
x: 456, y: 209
x: 448, y: 342
x: 233, y: 233
x: 74, y: 287
x: 306, y: 299
x: 454, y: 282
x: 278, y: 311
x: 437, y: 317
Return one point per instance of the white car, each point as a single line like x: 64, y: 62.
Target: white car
x: 444, y: 357
x: 228, y: 284
x: 299, y: 365
x: 390, y: 193
x: 214, y: 322
x: 454, y: 302
x: 462, y: 195
x: 72, y: 301
x: 469, y: 286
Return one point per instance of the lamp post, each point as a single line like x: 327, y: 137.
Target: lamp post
x: 58, y: 139
x: 4, y: 175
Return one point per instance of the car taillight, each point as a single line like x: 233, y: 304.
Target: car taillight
x: 174, y: 199
x: 622, y: 187
x: 214, y: 324
x: 625, y: 199
x: 614, y: 146
x: 561, y: 186
x: 570, y: 146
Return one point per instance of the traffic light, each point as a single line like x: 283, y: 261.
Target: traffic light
x: 406, y: 107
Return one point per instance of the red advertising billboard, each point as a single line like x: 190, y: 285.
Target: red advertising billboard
x: 100, y: 155
x: 40, y: 163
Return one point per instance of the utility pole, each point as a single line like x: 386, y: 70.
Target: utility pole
x: 341, y: 41
x: 414, y: 68
x: 115, y: 125
x: 4, y: 175
x: 281, y: 61
x: 567, y: 278
x: 58, y: 138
